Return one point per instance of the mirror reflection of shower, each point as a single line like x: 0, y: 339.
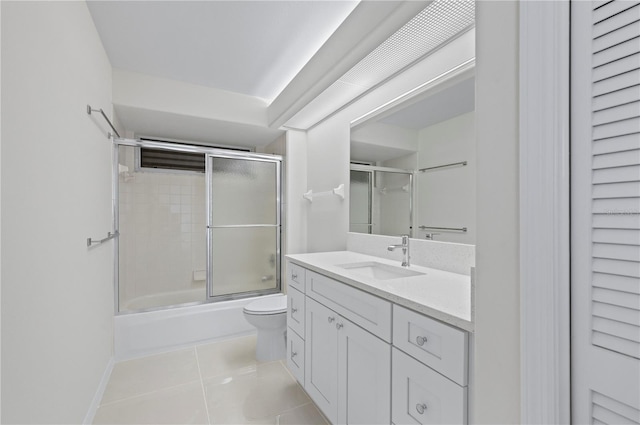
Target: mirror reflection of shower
x: 165, y: 257
x: 380, y: 200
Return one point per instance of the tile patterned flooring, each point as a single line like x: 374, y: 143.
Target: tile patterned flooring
x: 217, y: 383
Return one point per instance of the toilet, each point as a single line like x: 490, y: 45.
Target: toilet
x: 269, y: 316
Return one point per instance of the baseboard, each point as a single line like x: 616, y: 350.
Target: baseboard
x: 95, y: 403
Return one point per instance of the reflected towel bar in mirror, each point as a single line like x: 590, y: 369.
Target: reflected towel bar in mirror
x: 444, y: 229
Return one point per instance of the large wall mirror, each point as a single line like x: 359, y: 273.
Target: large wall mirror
x: 413, y: 165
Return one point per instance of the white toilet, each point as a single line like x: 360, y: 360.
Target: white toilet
x: 269, y: 316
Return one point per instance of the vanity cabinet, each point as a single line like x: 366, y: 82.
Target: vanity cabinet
x: 429, y: 383
x: 348, y: 370
x: 365, y: 360
x: 295, y: 320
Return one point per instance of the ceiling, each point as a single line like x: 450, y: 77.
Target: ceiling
x: 441, y: 106
x: 287, y: 53
x: 250, y: 47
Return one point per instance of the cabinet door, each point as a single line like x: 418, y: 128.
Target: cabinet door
x: 321, y: 358
x: 295, y: 355
x: 295, y: 311
x: 364, y: 376
x: 422, y: 396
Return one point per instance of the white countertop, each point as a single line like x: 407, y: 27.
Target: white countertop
x: 445, y: 296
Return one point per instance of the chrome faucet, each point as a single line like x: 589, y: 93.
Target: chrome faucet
x: 406, y: 256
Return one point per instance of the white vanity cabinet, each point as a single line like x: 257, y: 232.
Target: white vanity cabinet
x: 347, y: 369
x: 365, y: 360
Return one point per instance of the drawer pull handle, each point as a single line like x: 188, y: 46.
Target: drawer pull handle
x: 293, y: 310
x: 331, y: 319
x: 339, y: 326
x: 294, y: 276
x: 421, y: 407
x: 421, y: 340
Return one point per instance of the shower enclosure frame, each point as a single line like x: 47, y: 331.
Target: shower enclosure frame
x: 208, y: 153
x: 372, y: 169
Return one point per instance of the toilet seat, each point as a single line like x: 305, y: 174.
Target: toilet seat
x: 267, y: 306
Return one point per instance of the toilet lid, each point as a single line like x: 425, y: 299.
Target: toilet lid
x: 268, y: 305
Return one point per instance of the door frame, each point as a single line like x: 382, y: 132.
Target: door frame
x: 219, y: 152
x: 210, y: 155
x: 545, y: 311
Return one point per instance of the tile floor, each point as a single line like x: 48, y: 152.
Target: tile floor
x: 217, y: 383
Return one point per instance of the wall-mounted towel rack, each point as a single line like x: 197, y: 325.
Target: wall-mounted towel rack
x: 437, y: 167
x: 386, y: 190
x: 90, y: 110
x: 444, y: 229
x: 338, y: 191
x: 99, y: 241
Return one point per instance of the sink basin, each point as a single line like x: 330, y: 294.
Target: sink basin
x: 379, y: 271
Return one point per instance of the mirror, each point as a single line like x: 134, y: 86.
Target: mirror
x: 413, y: 165
x: 380, y: 200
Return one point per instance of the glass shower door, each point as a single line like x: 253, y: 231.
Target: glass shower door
x: 243, y: 226
x: 360, y: 220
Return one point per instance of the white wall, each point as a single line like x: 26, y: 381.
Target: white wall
x: 497, y: 338
x: 327, y: 168
x: 57, y: 295
x: 295, y: 205
x: 447, y: 196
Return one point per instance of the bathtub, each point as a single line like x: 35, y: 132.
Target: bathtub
x: 141, y: 334
x: 164, y: 299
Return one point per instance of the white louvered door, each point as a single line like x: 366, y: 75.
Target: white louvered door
x: 605, y: 212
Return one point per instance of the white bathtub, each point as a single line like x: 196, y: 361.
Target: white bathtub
x: 164, y: 299
x: 140, y: 334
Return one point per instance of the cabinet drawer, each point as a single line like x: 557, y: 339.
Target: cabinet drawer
x: 295, y: 277
x: 368, y: 311
x: 437, y: 345
x: 422, y: 396
x: 295, y: 311
x: 295, y: 355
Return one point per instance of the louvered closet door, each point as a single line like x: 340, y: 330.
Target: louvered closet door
x: 605, y: 192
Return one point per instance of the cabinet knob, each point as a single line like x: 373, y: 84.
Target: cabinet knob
x: 331, y: 319
x: 293, y: 310
x: 339, y: 326
x: 421, y: 407
x: 421, y: 340
x: 294, y: 276
x: 293, y: 354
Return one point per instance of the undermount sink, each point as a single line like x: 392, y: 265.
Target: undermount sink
x: 379, y: 271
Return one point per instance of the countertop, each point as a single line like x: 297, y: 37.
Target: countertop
x: 442, y: 295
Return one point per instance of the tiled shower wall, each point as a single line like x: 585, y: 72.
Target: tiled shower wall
x: 162, y: 231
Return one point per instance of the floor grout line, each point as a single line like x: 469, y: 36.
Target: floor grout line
x: 204, y: 393
x: 184, y: 384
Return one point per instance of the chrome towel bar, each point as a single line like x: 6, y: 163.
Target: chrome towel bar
x: 445, y: 229
x: 98, y: 241
x: 453, y: 164
x: 90, y: 110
